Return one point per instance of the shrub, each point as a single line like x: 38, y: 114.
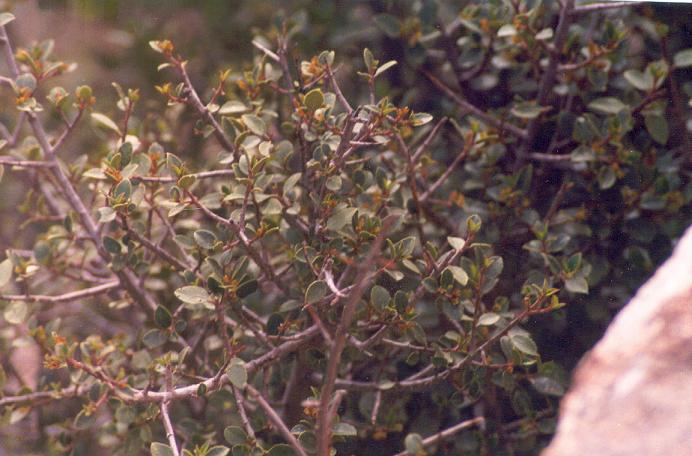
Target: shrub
x: 331, y: 270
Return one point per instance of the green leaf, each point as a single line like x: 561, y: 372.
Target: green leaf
x: 192, y: 295
x: 527, y: 110
x: 384, y: 67
x: 163, y: 317
x: 6, y: 269
x: 524, y: 344
x: 218, y: 450
x: 368, y: 59
x: 237, y: 373
x: 26, y: 81
x: 106, y: 214
x: 6, y: 18
x: 657, y: 126
x: 459, y: 274
x: 473, y: 223
x: 545, y: 34
x: 607, y: 105
x: 103, y: 121
x: 582, y: 154
x: 154, y: 338
x: 83, y: 421
x: 389, y: 24
x: 344, y: 430
x: 547, y: 386
x: 204, y: 238
x: 314, y: 100
x: 341, y: 218
x: 95, y: 173
x: 506, y: 30
x: 254, y: 124
x: 159, y: 449
x: 246, y: 288
x: 186, y: 181
x: 291, y: 182
x: 413, y: 444
x: 420, y: 118
x: 573, y: 262
x: 125, y: 414
x: 123, y: 189
x: 326, y: 57
x: 232, y: 107
x: 488, y: 319
x: 15, y: 312
x: 606, y: 177
x: 334, y: 183
x: 406, y: 246
x: 111, y: 245
x: 577, y: 285
x: 639, y: 80
x: 683, y: 59
x: 379, y: 297
x: 235, y: 435
x: 315, y: 291
x: 456, y: 243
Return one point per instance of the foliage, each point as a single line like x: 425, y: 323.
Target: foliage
x: 324, y: 266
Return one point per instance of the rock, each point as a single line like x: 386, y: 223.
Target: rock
x: 632, y: 394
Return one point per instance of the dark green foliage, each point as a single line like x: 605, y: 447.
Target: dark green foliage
x: 419, y: 231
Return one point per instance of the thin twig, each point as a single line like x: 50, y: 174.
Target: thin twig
x: 202, y: 175
x: 244, y: 242
x: 450, y: 169
x: 276, y: 420
x: 170, y: 432
x: 196, y: 103
x: 72, y: 296
x: 442, y: 435
x: 420, y: 150
x: 127, y: 278
x: 484, y: 116
x: 545, y: 86
x: 8, y: 161
x: 364, y: 277
x: 583, y: 9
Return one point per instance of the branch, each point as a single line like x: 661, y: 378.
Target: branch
x: 240, y: 402
x: 442, y: 435
x: 126, y: 276
x: 547, y: 82
x: 165, y: 255
x: 276, y: 420
x: 417, y: 382
x: 272, y: 55
x: 72, y: 296
x: 196, y: 103
x: 337, y: 90
x: 450, y: 169
x: 324, y: 417
x: 583, y: 9
x: 39, y: 396
x: 420, y: 150
x: 484, y: 116
x: 26, y: 163
x: 202, y: 175
x: 170, y: 432
x: 244, y: 242
x: 212, y: 384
